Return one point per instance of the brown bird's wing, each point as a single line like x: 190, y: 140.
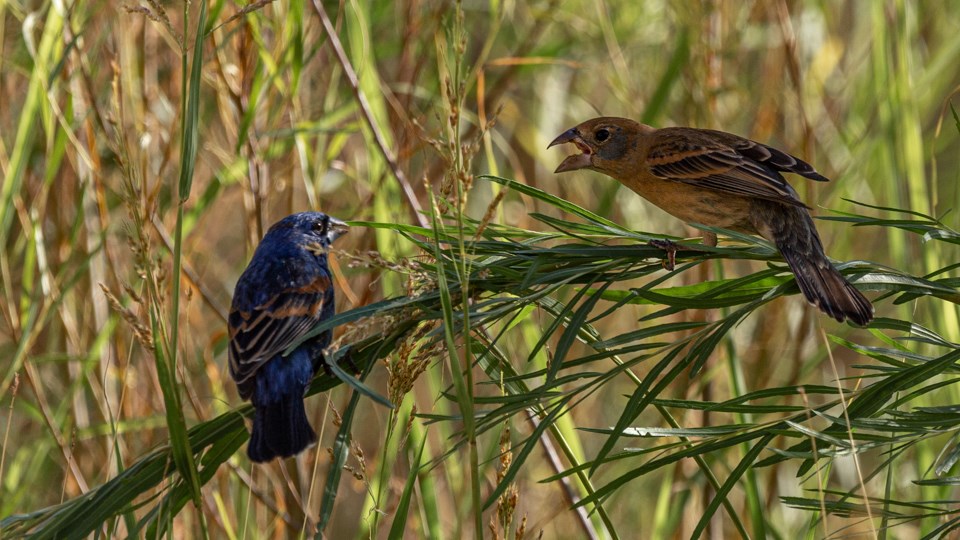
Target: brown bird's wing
x: 724, y: 162
x: 768, y: 155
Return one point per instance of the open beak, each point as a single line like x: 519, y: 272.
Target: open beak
x: 576, y: 161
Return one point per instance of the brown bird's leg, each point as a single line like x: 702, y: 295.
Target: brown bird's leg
x: 671, y: 248
x: 709, y: 239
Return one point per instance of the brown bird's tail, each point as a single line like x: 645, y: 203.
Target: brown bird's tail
x: 792, y: 230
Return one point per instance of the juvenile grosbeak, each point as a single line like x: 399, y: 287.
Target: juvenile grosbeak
x: 720, y: 180
x: 284, y: 292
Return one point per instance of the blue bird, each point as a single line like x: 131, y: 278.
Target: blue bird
x: 285, y: 291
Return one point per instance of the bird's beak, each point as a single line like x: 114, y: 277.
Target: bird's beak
x: 567, y: 136
x: 336, y: 229
x: 576, y: 161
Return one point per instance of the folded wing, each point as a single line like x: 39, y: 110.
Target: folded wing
x: 260, y: 332
x: 724, y: 162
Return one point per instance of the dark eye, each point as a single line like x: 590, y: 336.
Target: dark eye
x: 601, y: 135
x: 321, y: 226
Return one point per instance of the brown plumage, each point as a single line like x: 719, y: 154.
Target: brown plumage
x: 721, y: 180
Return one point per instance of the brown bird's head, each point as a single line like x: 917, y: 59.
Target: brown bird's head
x: 607, y: 145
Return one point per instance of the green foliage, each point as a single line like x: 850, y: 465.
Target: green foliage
x: 507, y: 277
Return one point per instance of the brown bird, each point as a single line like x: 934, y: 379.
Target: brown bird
x: 720, y: 180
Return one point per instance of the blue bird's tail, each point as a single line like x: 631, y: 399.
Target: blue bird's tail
x: 280, y: 429
x: 280, y: 426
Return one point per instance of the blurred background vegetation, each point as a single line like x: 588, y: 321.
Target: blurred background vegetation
x: 134, y: 149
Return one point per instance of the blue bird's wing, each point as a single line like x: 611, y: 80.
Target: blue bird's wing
x: 265, y: 330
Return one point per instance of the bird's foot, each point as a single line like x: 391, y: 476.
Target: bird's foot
x: 348, y: 358
x: 326, y: 367
x: 671, y: 248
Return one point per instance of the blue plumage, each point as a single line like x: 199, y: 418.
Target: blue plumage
x: 284, y: 292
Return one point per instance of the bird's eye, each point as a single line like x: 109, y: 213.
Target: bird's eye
x: 601, y: 135
x: 321, y: 226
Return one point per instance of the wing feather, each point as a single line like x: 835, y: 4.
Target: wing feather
x: 727, y: 163
x: 265, y: 331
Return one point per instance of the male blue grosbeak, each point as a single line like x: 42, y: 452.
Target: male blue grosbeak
x: 720, y: 180
x: 284, y: 292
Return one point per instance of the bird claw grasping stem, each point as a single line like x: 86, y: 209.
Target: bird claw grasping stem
x: 345, y: 358
x: 671, y: 248
x: 348, y: 359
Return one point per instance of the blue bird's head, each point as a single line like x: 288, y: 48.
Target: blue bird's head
x: 310, y: 227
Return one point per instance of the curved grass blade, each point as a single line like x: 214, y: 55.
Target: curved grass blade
x: 403, y: 505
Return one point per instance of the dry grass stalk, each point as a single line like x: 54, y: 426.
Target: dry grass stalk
x: 507, y: 502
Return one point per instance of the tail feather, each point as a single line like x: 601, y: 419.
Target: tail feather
x: 823, y: 286
x: 792, y: 230
x: 280, y: 426
x: 280, y: 429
